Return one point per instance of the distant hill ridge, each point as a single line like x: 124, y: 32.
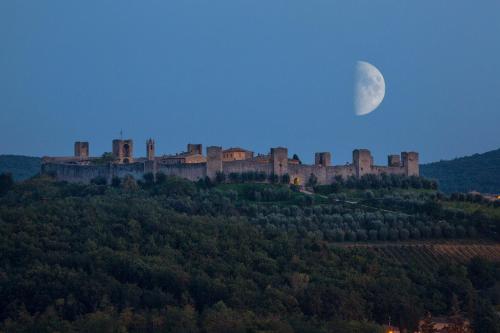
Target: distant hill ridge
x: 478, y: 172
x: 21, y: 167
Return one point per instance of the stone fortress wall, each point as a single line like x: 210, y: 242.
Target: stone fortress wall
x: 193, y: 165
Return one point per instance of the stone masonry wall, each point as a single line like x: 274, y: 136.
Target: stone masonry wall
x: 246, y: 166
x: 299, y: 173
x: 189, y: 171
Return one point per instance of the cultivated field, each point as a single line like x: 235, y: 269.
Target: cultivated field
x: 428, y: 253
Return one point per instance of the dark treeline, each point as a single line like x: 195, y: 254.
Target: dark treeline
x: 478, y: 172
x: 383, y: 181
x: 169, y: 255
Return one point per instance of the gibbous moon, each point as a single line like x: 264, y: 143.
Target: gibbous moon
x: 369, y: 88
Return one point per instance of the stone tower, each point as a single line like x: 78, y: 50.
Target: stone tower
x: 81, y: 149
x: 393, y: 161
x: 214, y: 161
x: 410, y: 163
x: 195, y: 148
x: 362, y: 160
x: 323, y: 159
x: 279, y: 158
x: 150, y: 149
x: 123, y: 150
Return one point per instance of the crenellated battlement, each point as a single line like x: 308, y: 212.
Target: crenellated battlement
x: 193, y: 165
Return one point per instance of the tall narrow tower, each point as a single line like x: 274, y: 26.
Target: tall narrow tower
x: 123, y: 150
x: 410, y: 163
x: 82, y: 149
x: 279, y: 158
x: 150, y: 149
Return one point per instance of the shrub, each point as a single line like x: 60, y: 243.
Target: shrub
x: 383, y: 234
x: 350, y: 236
x: 312, y: 181
x: 404, y: 234
x: 99, y: 180
x: 116, y: 181
x: 393, y: 234
x: 339, y: 235
x: 6, y: 182
x: 220, y: 177
x: 361, y: 235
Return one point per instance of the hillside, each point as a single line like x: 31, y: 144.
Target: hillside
x: 479, y: 172
x: 177, y: 256
x: 21, y: 167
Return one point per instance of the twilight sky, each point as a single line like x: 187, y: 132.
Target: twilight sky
x: 251, y: 73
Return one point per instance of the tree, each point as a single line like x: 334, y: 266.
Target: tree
x: 105, y: 158
x: 129, y: 183
x: 181, y: 319
x: 220, y: 177
x: 6, y: 183
x: 99, y: 180
x: 427, y: 325
x: 161, y: 178
x: 116, y: 181
x: 457, y: 321
x: 486, y: 319
x: 221, y: 319
x: 149, y: 179
x: 273, y: 178
x: 312, y: 181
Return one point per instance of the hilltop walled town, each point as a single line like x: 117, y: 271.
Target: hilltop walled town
x: 193, y: 165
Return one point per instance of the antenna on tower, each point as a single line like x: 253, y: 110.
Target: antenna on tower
x: 121, y: 134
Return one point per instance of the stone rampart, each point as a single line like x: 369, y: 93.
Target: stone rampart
x: 246, y: 166
x: 191, y: 171
x: 73, y: 170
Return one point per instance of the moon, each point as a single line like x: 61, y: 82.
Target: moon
x: 369, y: 88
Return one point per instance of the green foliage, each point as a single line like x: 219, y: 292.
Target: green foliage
x: 105, y: 158
x: 21, y: 167
x: 478, y: 172
x: 220, y: 177
x: 173, y: 256
x: 312, y: 181
x: 99, y: 180
x: 6, y: 183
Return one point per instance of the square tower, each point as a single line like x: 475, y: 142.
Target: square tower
x: 195, y: 148
x: 410, y: 163
x: 123, y: 150
x: 393, y: 161
x: 81, y: 149
x: 150, y: 149
x: 363, y: 161
x: 323, y: 159
x: 214, y: 161
x: 279, y: 158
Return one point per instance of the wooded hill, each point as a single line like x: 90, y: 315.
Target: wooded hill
x: 21, y: 167
x: 175, y: 256
x: 479, y: 172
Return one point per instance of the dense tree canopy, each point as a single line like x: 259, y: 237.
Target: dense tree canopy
x: 175, y: 256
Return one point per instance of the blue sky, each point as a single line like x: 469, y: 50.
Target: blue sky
x: 249, y: 73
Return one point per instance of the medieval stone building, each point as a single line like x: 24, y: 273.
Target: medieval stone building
x: 193, y: 165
